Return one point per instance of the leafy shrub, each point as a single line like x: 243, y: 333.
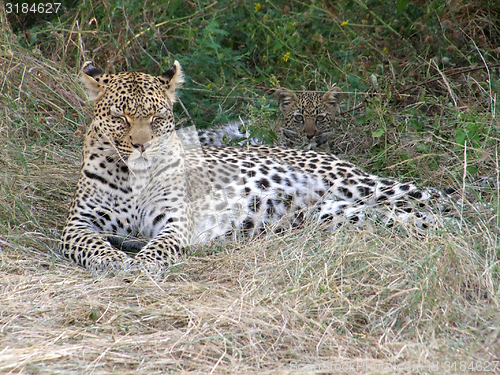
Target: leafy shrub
x: 234, y: 52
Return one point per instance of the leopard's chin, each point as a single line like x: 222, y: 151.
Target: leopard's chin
x: 135, y: 156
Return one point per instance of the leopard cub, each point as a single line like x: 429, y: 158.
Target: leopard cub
x: 307, y: 119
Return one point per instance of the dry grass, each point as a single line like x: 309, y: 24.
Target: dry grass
x: 304, y: 301
x: 259, y: 307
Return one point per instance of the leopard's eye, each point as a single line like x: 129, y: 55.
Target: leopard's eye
x: 321, y: 117
x: 298, y: 117
x: 120, y: 119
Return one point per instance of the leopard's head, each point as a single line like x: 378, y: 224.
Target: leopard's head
x: 309, y: 113
x: 131, y: 109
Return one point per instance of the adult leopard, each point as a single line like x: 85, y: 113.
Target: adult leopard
x: 144, y: 197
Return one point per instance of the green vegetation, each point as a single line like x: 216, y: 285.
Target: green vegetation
x: 405, y: 69
x: 421, y: 83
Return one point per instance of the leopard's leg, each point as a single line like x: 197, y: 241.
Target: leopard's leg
x: 90, y: 249
x: 169, y: 243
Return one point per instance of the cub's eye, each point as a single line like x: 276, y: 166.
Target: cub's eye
x: 321, y: 117
x: 298, y: 117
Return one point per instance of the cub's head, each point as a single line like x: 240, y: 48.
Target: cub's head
x: 131, y: 109
x: 308, y: 113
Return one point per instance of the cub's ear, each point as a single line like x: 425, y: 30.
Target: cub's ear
x: 172, y: 78
x: 332, y: 97
x: 285, y: 99
x: 94, y: 80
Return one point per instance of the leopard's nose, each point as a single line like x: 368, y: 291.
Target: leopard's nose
x: 139, y: 146
x: 310, y: 130
x: 311, y: 135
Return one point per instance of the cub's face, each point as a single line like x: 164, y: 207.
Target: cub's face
x: 308, y: 113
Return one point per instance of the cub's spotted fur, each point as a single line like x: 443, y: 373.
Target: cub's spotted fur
x: 220, y: 136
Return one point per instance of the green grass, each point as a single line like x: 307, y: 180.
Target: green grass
x: 301, y: 299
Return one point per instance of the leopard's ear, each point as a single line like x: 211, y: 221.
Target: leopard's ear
x: 93, y: 80
x: 332, y: 97
x: 172, y: 78
x: 285, y: 99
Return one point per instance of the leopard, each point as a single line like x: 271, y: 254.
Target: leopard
x: 308, y: 116
x: 146, y: 198
x: 307, y: 119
